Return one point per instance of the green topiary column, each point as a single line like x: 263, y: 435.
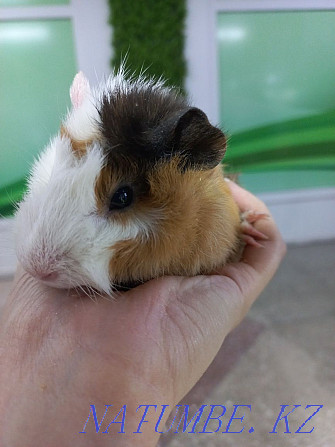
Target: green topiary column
x: 150, y: 33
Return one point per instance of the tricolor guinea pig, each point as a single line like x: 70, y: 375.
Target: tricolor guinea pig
x: 130, y: 189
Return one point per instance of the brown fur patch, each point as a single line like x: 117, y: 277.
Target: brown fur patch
x: 194, y: 224
x: 79, y: 147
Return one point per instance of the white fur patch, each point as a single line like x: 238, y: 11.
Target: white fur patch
x: 82, y: 123
x: 120, y: 81
x: 58, y: 228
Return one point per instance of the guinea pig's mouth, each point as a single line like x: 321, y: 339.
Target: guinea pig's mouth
x: 92, y: 291
x: 127, y: 285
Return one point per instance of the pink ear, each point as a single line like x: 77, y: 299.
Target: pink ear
x: 79, y: 90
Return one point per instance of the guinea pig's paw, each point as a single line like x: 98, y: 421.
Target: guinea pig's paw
x: 249, y: 233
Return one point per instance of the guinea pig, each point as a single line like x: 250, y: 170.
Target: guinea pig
x: 130, y: 189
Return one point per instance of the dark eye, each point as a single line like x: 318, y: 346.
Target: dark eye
x: 122, y: 198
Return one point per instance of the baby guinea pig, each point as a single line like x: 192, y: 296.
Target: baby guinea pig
x: 130, y: 189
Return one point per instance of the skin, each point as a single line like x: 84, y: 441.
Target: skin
x: 60, y: 352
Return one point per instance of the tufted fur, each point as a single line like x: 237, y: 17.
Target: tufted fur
x: 138, y: 133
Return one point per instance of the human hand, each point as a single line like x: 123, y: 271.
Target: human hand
x: 60, y: 352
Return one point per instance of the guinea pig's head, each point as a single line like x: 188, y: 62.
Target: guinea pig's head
x: 108, y: 200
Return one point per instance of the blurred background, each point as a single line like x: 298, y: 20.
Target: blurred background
x: 264, y: 71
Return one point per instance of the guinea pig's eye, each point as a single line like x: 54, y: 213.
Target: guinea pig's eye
x: 122, y: 198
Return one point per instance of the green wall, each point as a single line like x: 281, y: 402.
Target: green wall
x: 277, y: 97
x: 150, y: 34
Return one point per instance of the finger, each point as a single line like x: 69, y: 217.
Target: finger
x: 267, y: 259
x: 245, y: 200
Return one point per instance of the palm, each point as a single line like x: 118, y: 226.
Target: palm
x: 150, y: 345
x: 164, y: 332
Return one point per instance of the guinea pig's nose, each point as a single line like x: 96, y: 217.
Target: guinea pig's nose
x: 48, y: 276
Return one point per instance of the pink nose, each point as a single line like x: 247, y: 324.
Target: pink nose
x: 48, y: 276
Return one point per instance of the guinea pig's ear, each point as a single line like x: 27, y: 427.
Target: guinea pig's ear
x: 80, y: 90
x: 202, y: 144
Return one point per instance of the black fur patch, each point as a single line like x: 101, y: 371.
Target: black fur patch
x: 148, y: 124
